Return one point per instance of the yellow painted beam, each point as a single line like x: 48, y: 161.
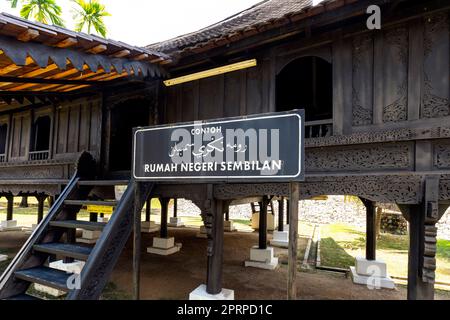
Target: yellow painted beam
x: 211, y: 72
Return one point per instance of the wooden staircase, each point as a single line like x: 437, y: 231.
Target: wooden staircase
x: 55, y: 236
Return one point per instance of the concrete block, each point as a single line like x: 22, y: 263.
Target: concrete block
x: 8, y: 224
x: 366, y: 267
x: 262, y: 258
x: 163, y: 243
x: 200, y: 294
x: 280, y: 239
x: 261, y: 255
x: 272, y: 265
x: 165, y: 252
x: 175, y: 222
x: 89, y: 237
x: 89, y: 234
x: 228, y: 226
x: 3, y: 257
x: 372, y: 282
x: 149, y: 226
x: 73, y: 267
x: 48, y: 290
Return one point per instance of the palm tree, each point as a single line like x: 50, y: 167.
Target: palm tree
x: 90, y: 14
x: 44, y: 11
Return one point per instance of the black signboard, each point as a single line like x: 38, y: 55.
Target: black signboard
x: 260, y: 148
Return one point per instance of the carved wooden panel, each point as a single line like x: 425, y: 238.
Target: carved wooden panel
x: 444, y: 189
x: 442, y: 155
x: 375, y: 157
x: 395, y: 74
x: 436, y: 68
x: 33, y: 172
x: 362, y: 87
x: 385, y: 188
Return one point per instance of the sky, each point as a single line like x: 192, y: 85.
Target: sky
x: 143, y: 22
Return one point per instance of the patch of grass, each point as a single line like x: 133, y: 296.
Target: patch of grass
x: 111, y: 292
x: 334, y: 255
x: 342, y: 243
x: 242, y: 221
x: 443, y: 249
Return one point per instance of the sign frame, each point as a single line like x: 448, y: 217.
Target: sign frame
x: 300, y: 176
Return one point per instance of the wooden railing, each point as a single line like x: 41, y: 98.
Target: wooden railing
x: 2, y: 158
x: 39, y: 155
x: 319, y: 128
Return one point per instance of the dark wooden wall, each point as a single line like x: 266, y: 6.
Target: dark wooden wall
x: 75, y: 126
x: 394, y: 78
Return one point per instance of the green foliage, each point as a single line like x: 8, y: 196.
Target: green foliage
x: 44, y: 11
x: 90, y: 14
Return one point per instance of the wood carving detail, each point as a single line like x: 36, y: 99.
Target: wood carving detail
x: 373, y: 157
x: 399, y: 189
x: 442, y: 156
x: 397, y: 39
x: 433, y: 105
x: 362, y: 50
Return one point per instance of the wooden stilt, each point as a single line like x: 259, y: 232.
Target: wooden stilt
x: 9, y: 207
x: 227, y: 213
x: 281, y: 215
x: 263, y: 222
x: 215, y: 249
x: 294, y: 198
x: 148, y: 208
x: 371, y: 229
x: 287, y: 211
x: 136, y: 243
x: 41, y: 201
x: 417, y: 288
x: 93, y: 216
x: 164, y: 214
x: 175, y: 207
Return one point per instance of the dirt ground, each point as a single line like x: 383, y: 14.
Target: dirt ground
x: 175, y: 276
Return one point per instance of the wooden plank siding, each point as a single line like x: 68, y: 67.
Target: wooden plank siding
x: 75, y: 126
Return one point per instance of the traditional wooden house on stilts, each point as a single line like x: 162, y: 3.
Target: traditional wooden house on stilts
x: 377, y: 126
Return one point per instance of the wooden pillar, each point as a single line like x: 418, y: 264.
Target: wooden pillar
x: 93, y: 216
x: 136, y: 242
x: 175, y: 207
x: 9, y: 207
x: 227, y: 213
x: 287, y: 212
x: 215, y: 248
x: 294, y: 197
x: 41, y: 201
x: 148, y: 209
x: 371, y: 228
x: 418, y: 289
x: 71, y: 236
x: 164, y: 214
x: 263, y: 222
x: 371, y: 231
x: 281, y: 215
x: 24, y: 202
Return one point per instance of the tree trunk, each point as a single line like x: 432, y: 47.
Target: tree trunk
x: 24, y: 202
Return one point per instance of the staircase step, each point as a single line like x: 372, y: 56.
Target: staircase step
x: 103, y: 182
x: 79, y: 224
x: 23, y: 296
x: 65, y: 249
x: 46, y: 276
x: 89, y: 203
